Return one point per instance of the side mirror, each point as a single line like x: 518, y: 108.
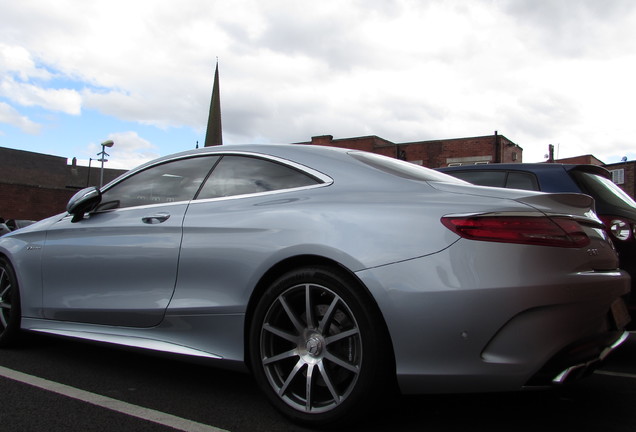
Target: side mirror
x: 83, y: 202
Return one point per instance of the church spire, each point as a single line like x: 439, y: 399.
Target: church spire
x: 214, y: 132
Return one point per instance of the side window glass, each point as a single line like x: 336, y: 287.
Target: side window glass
x: 482, y: 178
x: 169, y: 182
x: 522, y: 180
x: 240, y: 175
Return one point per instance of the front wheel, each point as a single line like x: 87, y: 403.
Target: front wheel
x: 9, y: 304
x: 318, y: 348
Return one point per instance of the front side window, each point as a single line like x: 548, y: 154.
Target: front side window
x: 165, y: 183
x: 240, y: 175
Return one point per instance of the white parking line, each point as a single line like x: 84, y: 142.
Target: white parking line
x: 109, y: 403
x: 616, y: 374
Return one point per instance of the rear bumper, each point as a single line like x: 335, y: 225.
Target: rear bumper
x: 495, y: 322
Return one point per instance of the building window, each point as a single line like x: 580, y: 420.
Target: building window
x: 618, y: 176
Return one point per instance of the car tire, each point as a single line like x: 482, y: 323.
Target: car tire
x: 319, y: 348
x: 9, y: 304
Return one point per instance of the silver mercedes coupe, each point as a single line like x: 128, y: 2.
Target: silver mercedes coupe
x: 332, y: 275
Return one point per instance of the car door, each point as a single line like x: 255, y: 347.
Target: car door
x: 233, y: 223
x: 118, y: 265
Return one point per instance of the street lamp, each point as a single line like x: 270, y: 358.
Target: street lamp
x: 88, y: 176
x: 102, y: 159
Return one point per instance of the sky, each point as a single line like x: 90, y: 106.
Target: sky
x: 74, y: 74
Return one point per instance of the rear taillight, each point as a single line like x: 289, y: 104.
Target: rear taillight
x: 619, y: 228
x: 539, y: 230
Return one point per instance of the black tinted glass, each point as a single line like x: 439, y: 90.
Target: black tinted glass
x: 240, y: 175
x: 604, y: 191
x: 521, y: 180
x: 169, y: 182
x: 482, y: 178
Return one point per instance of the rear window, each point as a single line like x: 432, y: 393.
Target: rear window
x: 604, y: 190
x: 522, y: 180
x: 483, y: 178
x: 402, y: 169
x: 499, y: 178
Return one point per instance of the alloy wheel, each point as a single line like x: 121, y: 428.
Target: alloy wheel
x: 311, y: 348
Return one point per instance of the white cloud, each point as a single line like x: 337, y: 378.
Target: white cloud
x: 64, y: 100
x: 538, y: 71
x: 18, y: 71
x: 10, y: 116
x: 128, y: 150
x: 17, y: 60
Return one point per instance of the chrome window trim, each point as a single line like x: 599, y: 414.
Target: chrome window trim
x: 300, y: 167
x: 264, y: 193
x: 324, y: 179
x: 175, y: 203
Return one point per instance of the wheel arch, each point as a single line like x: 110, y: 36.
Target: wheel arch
x: 300, y: 261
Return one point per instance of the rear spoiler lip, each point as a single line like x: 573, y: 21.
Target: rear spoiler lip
x: 571, y: 199
x: 583, y: 203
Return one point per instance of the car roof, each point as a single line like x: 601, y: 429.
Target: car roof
x: 332, y: 162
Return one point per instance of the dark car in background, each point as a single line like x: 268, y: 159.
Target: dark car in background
x: 13, y: 224
x: 614, y: 207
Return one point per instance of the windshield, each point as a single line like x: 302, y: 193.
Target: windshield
x: 604, y: 190
x: 403, y: 169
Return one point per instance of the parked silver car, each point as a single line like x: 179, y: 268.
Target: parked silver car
x: 329, y: 273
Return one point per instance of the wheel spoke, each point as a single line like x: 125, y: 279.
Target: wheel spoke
x: 5, y: 302
x: 310, y: 371
x: 340, y: 336
x: 292, y: 316
x: 299, y: 364
x: 328, y: 315
x: 5, y: 292
x: 281, y: 356
x: 280, y: 333
x: 328, y: 382
x: 7, y: 287
x: 308, y: 308
x: 343, y: 364
x: 9, y: 306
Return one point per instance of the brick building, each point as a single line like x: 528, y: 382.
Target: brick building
x: 436, y: 153
x: 34, y: 186
x: 624, y: 175
x: 581, y: 160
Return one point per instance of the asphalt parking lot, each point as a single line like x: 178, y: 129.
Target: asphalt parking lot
x: 51, y: 384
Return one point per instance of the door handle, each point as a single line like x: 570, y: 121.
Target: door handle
x: 156, y: 218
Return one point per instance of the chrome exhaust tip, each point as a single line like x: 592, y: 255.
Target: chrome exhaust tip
x: 579, y: 369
